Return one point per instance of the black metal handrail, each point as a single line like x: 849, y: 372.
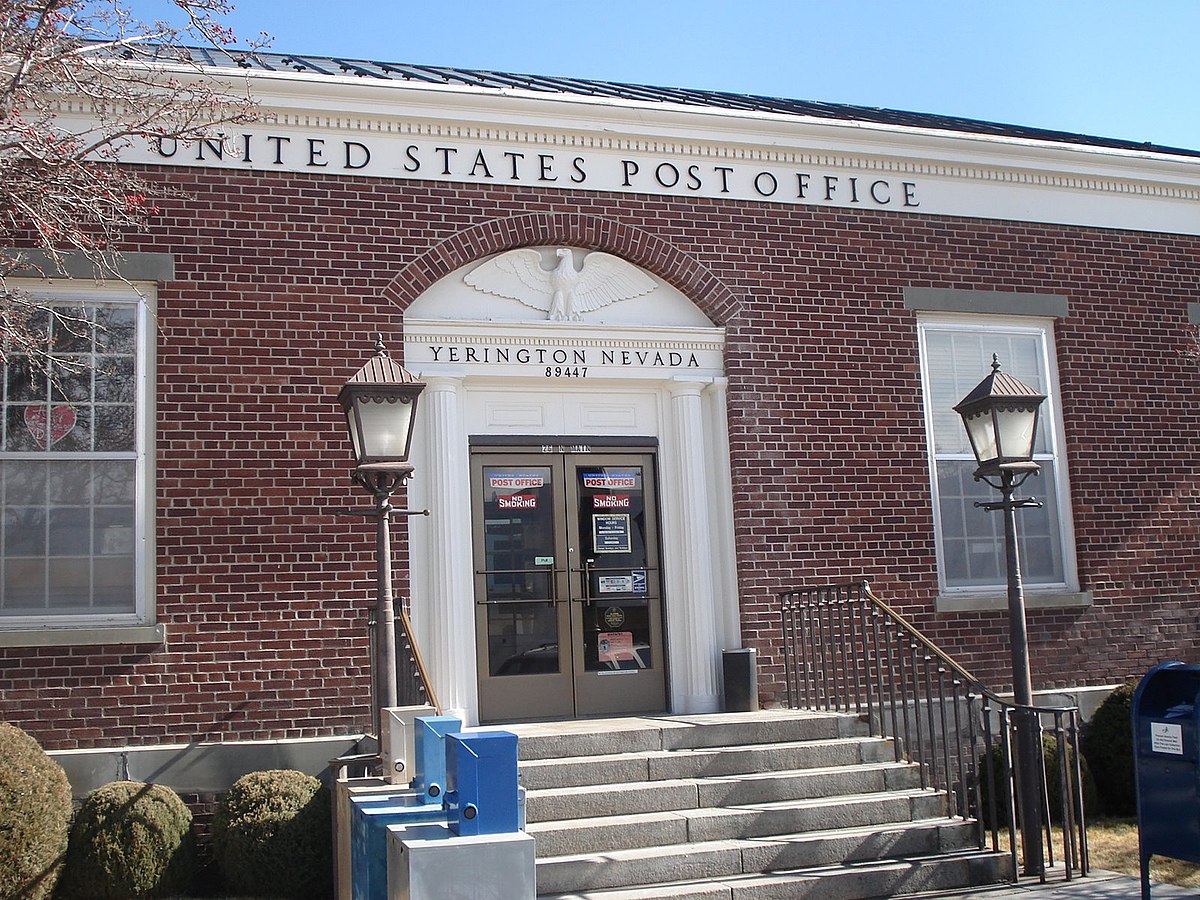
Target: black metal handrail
x: 846, y: 650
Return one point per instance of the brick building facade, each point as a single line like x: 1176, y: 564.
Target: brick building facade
x: 794, y: 423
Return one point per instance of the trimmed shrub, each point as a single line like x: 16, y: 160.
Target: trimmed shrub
x: 1053, y: 783
x: 272, y: 836
x: 1108, y: 748
x: 130, y: 840
x: 35, y: 817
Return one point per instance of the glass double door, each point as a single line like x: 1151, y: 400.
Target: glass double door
x: 568, y: 589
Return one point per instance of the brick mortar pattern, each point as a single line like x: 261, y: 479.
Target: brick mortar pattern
x: 283, y: 279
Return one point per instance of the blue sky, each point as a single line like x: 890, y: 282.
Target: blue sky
x: 1126, y: 69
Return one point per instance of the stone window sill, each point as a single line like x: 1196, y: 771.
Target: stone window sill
x: 94, y: 635
x: 1033, y: 600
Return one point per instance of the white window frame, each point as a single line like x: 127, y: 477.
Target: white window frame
x: 1066, y: 591
x: 47, y: 629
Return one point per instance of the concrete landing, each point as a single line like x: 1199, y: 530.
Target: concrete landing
x: 1099, y: 885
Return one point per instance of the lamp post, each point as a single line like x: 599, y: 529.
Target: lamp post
x: 380, y: 403
x: 1001, y: 418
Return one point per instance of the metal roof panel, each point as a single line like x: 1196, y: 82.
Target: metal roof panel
x: 582, y: 87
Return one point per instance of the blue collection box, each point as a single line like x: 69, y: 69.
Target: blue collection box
x: 483, y: 796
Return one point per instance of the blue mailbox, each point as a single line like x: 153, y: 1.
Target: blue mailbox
x: 429, y: 742
x: 483, y: 795
x: 1166, y: 747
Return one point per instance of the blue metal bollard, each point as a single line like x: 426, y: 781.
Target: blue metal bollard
x: 429, y: 742
x: 482, y: 779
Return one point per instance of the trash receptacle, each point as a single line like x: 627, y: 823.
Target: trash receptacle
x: 739, y: 671
x: 1166, y: 749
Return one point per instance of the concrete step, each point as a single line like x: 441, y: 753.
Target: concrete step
x: 624, y: 798
x: 595, y: 737
x: 657, y: 829
x: 858, y: 881
x: 720, y: 859
x: 757, y: 806
x: 739, y: 759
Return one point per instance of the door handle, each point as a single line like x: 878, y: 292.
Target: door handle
x: 587, y: 580
x: 553, y: 572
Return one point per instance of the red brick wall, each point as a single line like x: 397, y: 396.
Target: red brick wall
x: 283, y: 280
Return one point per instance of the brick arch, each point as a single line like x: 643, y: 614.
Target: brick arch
x: 693, y: 279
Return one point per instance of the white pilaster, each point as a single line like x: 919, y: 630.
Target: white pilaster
x: 691, y: 605
x: 443, y: 593
x: 723, y: 555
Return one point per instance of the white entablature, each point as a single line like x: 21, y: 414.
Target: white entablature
x: 398, y: 129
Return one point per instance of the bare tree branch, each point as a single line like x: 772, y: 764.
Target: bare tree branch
x: 79, y: 81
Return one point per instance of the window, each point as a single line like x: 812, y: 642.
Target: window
x: 956, y: 354
x: 73, y: 467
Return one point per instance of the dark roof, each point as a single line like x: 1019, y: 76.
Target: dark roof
x: 436, y: 75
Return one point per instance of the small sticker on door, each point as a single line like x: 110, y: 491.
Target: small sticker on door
x: 543, y: 560
x: 639, y: 581
x: 615, y: 584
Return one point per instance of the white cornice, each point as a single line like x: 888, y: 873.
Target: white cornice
x: 990, y: 176
x: 356, y: 104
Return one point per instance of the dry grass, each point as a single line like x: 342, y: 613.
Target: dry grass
x: 1113, y: 845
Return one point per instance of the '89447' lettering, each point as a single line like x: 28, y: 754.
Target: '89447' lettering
x: 566, y: 371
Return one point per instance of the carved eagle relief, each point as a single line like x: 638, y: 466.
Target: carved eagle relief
x: 563, y: 293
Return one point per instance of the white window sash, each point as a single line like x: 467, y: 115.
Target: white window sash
x: 141, y: 300
x: 1043, y: 331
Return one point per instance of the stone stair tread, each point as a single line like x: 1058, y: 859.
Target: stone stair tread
x: 750, y: 843
x: 732, y: 809
x: 685, y: 890
x: 697, y: 751
x: 715, y: 748
x: 586, y: 726
x: 670, y: 815
x: 815, y: 771
x: 806, y: 802
x: 900, y: 865
x: 810, y: 882
x: 579, y: 789
x: 709, y: 762
x: 767, y: 745
x: 543, y: 739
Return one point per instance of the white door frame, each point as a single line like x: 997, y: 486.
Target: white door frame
x: 687, y: 416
